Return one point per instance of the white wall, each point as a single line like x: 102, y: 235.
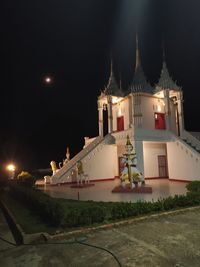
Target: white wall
x: 173, y: 118
x: 102, y: 163
x: 183, y: 162
x: 151, y: 152
x: 121, y: 109
x: 150, y: 105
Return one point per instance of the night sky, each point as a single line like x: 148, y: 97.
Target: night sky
x: 72, y: 41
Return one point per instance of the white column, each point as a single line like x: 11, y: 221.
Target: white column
x: 130, y: 102
x: 140, y: 155
x: 100, y: 121
x: 180, y: 111
x: 137, y: 112
x: 110, y: 115
x: 167, y: 109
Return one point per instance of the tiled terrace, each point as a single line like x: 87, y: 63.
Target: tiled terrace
x: 101, y: 191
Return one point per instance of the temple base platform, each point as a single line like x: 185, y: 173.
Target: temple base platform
x: 139, y: 189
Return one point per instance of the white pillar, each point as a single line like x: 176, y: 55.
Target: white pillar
x: 100, y: 121
x: 180, y: 111
x: 110, y: 115
x: 137, y: 112
x: 140, y: 155
x: 167, y: 109
x: 130, y: 102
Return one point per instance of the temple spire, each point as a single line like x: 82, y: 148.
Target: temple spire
x: 165, y: 80
x: 138, y: 59
x: 163, y: 51
x: 112, y: 86
x: 139, y: 83
x: 111, y: 68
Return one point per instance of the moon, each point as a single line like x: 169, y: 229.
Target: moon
x: 48, y: 79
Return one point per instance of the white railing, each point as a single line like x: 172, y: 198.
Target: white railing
x: 88, y: 141
x: 152, y: 135
x: 191, y: 139
x: 65, y: 172
x: 122, y: 135
x: 183, y: 143
x: 196, y: 135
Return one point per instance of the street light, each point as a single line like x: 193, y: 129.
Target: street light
x: 11, y: 169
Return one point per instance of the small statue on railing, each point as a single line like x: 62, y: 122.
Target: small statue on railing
x: 54, y: 167
x: 66, y: 160
x: 47, y: 178
x: 130, y: 175
x: 81, y: 176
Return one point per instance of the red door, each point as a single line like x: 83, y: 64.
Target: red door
x: 120, y: 123
x: 162, y: 166
x: 160, y: 121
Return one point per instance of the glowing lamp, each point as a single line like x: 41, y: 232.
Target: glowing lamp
x: 119, y: 111
x: 159, y: 108
x: 11, y: 168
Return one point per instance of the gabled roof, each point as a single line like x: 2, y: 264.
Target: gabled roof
x: 165, y: 81
x: 139, y: 83
x: 112, y: 87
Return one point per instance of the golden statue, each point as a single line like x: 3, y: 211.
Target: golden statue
x: 54, y: 167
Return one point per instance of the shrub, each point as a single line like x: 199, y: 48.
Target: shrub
x: 73, y: 213
x: 41, y: 204
x: 26, y: 179
x: 193, y: 186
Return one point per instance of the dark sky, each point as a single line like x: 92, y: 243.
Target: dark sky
x: 73, y: 40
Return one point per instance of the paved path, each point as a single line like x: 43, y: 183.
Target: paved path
x: 166, y: 241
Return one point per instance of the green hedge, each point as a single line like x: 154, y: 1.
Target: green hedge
x: 59, y: 212
x: 73, y: 213
x: 48, y: 209
x: 193, y: 186
x: 26, y: 179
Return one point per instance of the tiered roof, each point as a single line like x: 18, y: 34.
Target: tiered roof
x: 112, y: 87
x: 139, y: 83
x: 165, y: 81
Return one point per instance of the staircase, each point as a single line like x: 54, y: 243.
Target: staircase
x: 184, y: 157
x: 64, y: 174
x: 191, y: 140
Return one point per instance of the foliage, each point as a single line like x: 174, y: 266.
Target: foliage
x: 73, y: 213
x: 59, y: 212
x: 26, y: 179
x: 193, y: 186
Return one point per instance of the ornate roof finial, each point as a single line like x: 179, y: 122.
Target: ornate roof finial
x: 68, y: 154
x: 139, y: 83
x: 163, y: 50
x: 120, y: 81
x: 137, y: 60
x: 111, y: 67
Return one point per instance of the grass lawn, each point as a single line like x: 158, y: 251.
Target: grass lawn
x: 33, y: 223
x: 29, y: 222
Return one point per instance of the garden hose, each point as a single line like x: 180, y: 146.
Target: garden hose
x: 79, y: 240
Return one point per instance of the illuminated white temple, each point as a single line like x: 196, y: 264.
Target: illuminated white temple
x: 153, y: 118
